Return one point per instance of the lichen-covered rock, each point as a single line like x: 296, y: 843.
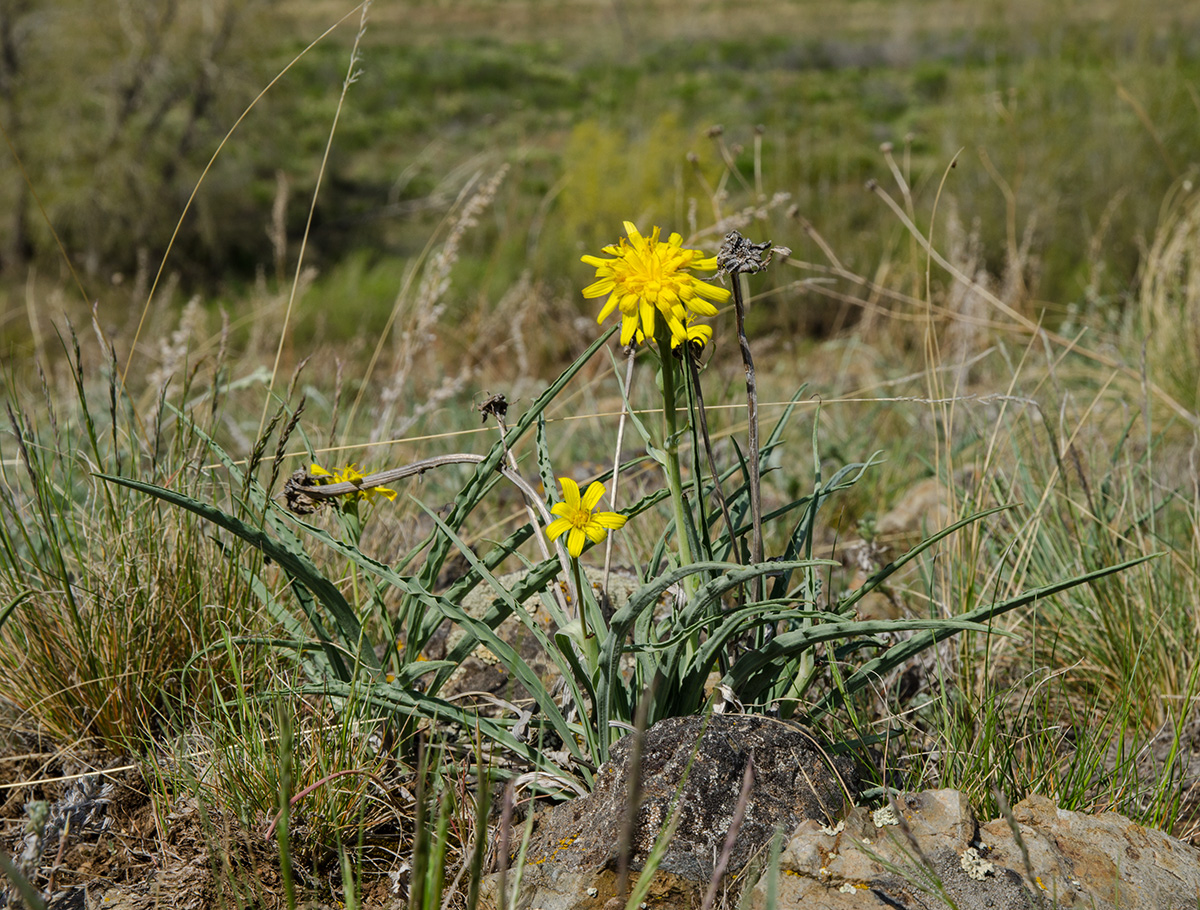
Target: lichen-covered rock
x: 579, y: 843
x: 911, y: 855
x: 1102, y: 861
x: 932, y: 854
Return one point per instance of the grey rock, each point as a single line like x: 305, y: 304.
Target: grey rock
x: 910, y: 858
x: 934, y: 855
x: 577, y: 846
x: 1102, y: 861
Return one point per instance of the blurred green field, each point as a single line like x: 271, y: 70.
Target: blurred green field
x: 1069, y: 122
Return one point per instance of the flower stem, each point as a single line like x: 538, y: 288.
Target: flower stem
x: 756, y: 543
x: 579, y: 598
x: 671, y: 447
x: 616, y: 475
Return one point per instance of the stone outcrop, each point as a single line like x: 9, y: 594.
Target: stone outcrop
x: 574, y: 857
x: 921, y: 851
x: 932, y: 853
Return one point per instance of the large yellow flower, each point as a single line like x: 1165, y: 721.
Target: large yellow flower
x: 350, y: 474
x: 578, y: 518
x: 647, y: 274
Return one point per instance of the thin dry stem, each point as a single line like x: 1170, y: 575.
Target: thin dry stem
x: 162, y: 266
x: 351, y: 76
x: 616, y: 477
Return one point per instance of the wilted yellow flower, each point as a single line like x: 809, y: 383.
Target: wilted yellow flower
x: 578, y: 518
x: 647, y: 274
x: 686, y: 330
x: 350, y: 474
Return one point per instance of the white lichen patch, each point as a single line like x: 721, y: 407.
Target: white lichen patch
x: 885, y: 815
x: 835, y: 830
x: 847, y: 888
x: 976, y: 866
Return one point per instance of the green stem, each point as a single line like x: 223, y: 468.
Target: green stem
x: 671, y: 447
x: 579, y: 606
x: 589, y: 643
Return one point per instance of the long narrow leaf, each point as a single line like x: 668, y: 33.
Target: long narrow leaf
x: 9, y: 608
x: 897, y: 654
x: 520, y: 671
x: 847, y: 602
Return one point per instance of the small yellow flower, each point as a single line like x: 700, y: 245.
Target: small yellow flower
x: 350, y: 474
x: 647, y: 274
x: 578, y: 518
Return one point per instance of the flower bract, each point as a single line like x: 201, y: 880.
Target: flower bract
x: 350, y: 474
x: 648, y: 275
x: 578, y: 518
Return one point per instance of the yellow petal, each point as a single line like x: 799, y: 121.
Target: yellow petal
x: 594, y: 491
x: 609, y: 306
x: 711, y: 291
x: 595, y: 532
x: 629, y: 326
x: 610, y: 520
x: 575, y: 540
x: 557, y: 528
x: 599, y: 288
x: 648, y: 318
x: 570, y: 491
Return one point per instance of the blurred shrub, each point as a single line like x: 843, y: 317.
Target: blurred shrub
x: 114, y: 113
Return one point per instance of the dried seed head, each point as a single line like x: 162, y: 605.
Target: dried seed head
x: 295, y: 494
x: 737, y: 254
x: 495, y: 406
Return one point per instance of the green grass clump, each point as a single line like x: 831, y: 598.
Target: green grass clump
x: 120, y: 599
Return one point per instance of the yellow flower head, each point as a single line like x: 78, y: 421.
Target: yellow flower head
x: 350, y: 474
x: 648, y: 274
x: 578, y: 519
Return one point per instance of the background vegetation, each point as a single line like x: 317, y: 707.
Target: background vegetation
x: 1041, y: 349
